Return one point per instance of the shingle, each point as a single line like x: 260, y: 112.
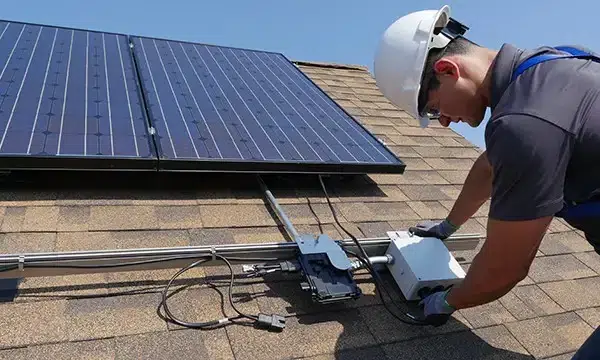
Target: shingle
x: 12, y: 220
x: 564, y: 243
x: 525, y: 302
x: 424, y: 193
x: 574, y: 294
x: 374, y: 229
x: 49, y: 287
x: 452, y: 192
x: 85, y: 350
x: 27, y: 242
x: 591, y: 316
x: 33, y: 323
x: 489, y: 343
x: 385, y: 328
x: 221, y: 236
x: 428, y: 209
x: 449, y: 164
x: 150, y: 281
x: 591, y: 259
x: 402, y: 140
x: 236, y: 215
x: 330, y: 230
x: 558, y: 267
x: 551, y: 335
x: 403, y: 151
x: 123, y: 218
x: 205, y: 303
x: 442, y: 131
x: 180, y: 344
x: 40, y: 218
x: 83, y: 240
x: 179, y: 217
x: 375, y: 120
x: 410, y: 177
x: 150, y: 238
x: 363, y: 212
x: 416, y: 164
x: 302, y: 213
x: 27, y: 197
x: 447, y: 152
x: 557, y: 225
x: 448, y: 141
x: 94, y: 318
x: 259, y: 235
x: 381, y: 129
x: 424, y: 141
x: 215, y: 195
x: 567, y: 356
x: 307, y: 335
x: 73, y: 218
x: 454, y: 176
x: 371, y: 352
x: 492, y: 313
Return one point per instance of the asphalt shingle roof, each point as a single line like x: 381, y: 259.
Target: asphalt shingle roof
x: 548, y: 315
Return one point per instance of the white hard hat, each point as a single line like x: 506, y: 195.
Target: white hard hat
x: 401, y: 55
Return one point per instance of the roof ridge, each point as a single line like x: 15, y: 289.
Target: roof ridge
x: 331, y: 65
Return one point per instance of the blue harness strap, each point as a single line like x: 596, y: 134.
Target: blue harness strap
x: 570, y: 53
x: 569, y: 211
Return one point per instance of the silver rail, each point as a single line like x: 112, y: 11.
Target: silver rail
x: 98, y: 261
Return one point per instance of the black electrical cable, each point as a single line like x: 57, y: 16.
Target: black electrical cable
x: 365, y: 260
x: 125, y: 264
x: 208, y: 324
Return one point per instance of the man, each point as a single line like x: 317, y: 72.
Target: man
x: 542, y: 142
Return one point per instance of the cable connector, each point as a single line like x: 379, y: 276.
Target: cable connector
x: 271, y: 322
x: 289, y: 266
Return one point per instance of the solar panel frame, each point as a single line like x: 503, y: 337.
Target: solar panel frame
x: 242, y: 165
x: 146, y: 157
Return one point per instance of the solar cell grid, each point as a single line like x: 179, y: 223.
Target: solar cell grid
x: 72, y: 98
x: 210, y: 103
x: 68, y: 93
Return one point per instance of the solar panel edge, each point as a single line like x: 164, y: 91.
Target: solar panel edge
x: 234, y: 166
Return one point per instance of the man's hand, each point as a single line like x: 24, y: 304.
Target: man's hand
x: 438, y: 229
x: 436, y: 309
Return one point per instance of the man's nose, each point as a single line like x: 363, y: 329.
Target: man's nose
x: 444, y: 120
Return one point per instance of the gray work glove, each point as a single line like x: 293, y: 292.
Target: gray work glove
x: 436, y: 309
x: 439, y: 229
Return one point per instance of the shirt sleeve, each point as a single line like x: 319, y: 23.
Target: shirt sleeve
x: 529, y: 158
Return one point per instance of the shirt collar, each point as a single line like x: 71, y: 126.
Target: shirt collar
x: 502, y: 68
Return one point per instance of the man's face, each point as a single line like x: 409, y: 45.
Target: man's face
x: 456, y: 99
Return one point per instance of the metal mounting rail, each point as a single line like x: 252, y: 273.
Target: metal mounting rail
x: 80, y: 262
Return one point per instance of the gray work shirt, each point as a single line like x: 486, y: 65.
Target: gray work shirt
x: 543, y: 136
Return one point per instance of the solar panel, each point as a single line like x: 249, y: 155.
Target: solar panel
x: 70, y: 99
x: 222, y: 108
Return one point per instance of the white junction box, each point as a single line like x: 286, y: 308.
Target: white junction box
x: 421, y: 262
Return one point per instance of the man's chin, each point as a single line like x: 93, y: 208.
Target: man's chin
x: 474, y: 122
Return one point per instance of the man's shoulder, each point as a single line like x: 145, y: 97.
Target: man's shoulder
x: 519, y: 132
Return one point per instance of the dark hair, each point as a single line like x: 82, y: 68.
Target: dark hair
x: 458, y: 46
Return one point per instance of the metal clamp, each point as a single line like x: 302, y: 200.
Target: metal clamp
x: 213, y: 253
x: 21, y: 262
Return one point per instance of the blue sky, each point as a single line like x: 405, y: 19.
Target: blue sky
x: 332, y: 30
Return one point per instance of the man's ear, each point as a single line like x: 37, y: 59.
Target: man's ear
x: 446, y: 67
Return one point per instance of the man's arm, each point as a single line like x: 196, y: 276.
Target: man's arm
x: 475, y: 191
x: 503, y: 261
x: 529, y: 158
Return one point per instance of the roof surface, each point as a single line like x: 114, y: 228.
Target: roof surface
x: 549, y: 314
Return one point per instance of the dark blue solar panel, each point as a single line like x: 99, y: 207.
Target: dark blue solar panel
x: 67, y: 93
x: 242, y: 110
